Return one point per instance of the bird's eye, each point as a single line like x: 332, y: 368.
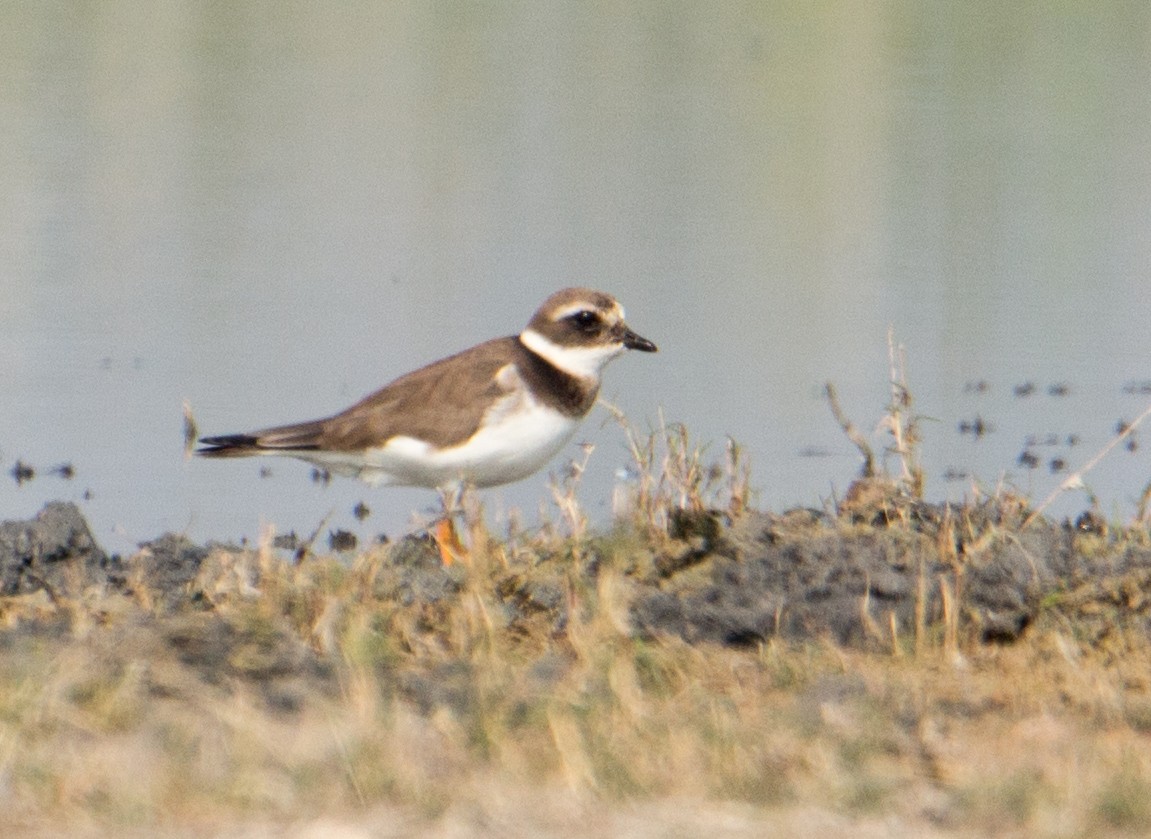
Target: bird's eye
x: 585, y: 319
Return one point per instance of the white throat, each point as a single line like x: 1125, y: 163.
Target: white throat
x: 582, y: 362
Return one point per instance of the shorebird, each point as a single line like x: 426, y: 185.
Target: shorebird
x: 490, y: 415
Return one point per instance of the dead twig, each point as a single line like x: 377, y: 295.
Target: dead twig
x: 305, y: 547
x: 853, y: 434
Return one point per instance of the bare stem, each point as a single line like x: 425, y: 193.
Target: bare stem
x: 904, y: 429
x: 1075, y: 479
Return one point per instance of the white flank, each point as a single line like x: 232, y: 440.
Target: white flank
x: 517, y: 438
x: 582, y: 362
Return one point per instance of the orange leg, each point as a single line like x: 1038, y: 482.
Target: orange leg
x: 448, y: 541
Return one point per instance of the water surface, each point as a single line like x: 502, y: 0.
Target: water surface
x: 269, y: 210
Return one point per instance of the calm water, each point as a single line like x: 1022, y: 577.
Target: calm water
x: 270, y: 209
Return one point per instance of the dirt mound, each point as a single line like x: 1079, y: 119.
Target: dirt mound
x: 805, y: 574
x: 802, y: 574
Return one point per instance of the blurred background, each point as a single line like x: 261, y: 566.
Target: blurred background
x: 269, y: 209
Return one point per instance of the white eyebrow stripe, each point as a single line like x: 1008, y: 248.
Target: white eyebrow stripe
x: 571, y: 309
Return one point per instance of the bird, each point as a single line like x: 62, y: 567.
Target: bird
x: 489, y: 415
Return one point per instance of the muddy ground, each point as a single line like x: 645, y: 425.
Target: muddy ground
x: 863, y: 579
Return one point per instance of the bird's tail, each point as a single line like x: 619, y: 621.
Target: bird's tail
x: 282, y: 440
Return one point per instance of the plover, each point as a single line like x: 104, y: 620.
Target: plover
x: 489, y: 415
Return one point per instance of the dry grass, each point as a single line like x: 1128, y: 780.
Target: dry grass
x: 293, y: 693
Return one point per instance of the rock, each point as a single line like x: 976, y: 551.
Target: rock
x: 55, y: 552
